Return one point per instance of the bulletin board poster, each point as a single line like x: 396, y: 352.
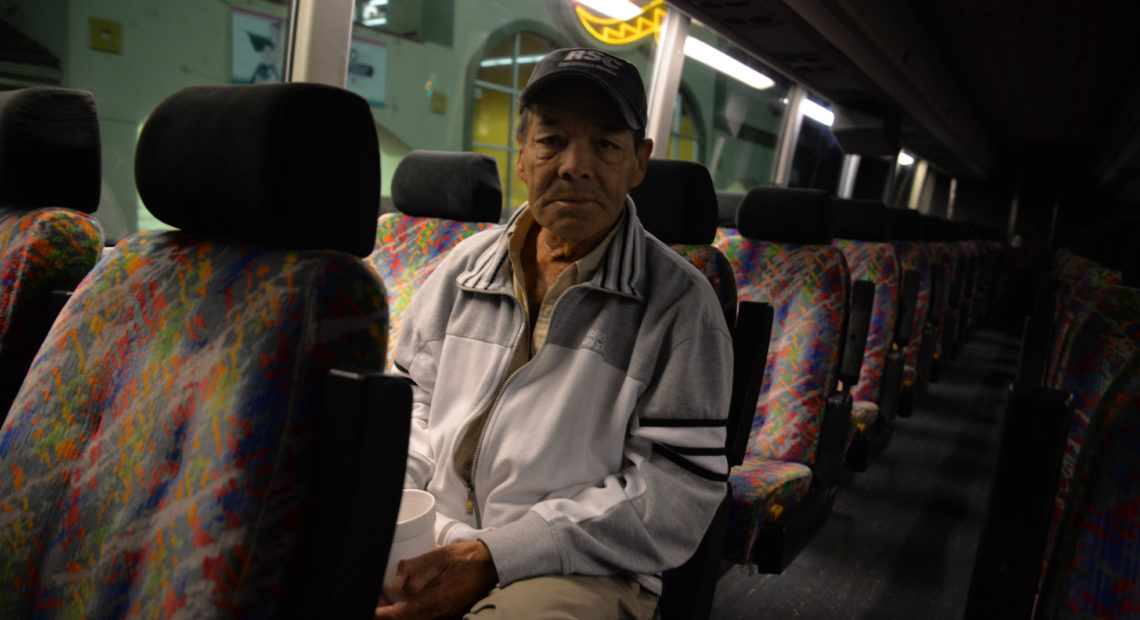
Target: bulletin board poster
x: 368, y: 70
x: 258, y: 43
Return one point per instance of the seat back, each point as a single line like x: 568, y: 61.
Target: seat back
x: 48, y: 241
x: 1104, y: 339
x: 677, y: 204
x: 784, y: 257
x: 1095, y: 567
x: 862, y: 231
x: 171, y: 447
x: 903, y: 231
x: 1078, y: 278
x: 443, y: 198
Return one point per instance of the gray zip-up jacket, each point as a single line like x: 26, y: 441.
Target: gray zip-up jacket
x: 603, y: 454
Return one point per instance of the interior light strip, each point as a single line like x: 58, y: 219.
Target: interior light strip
x: 816, y: 112
x: 617, y: 9
x: 703, y: 52
x: 499, y: 62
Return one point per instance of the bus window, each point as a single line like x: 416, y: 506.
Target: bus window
x: 746, y: 102
x: 453, y: 76
x: 131, y: 55
x: 818, y: 159
x: 686, y: 133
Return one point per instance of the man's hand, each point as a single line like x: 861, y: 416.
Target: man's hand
x: 441, y: 584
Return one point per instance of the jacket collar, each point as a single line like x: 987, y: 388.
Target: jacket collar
x: 622, y: 270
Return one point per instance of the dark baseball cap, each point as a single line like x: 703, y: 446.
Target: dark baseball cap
x: 618, y: 78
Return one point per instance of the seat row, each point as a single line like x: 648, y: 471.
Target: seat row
x: 820, y: 357
x: 205, y: 428
x: 1060, y: 538
x: 211, y: 336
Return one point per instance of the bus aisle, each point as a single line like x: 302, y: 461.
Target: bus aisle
x: 901, y: 540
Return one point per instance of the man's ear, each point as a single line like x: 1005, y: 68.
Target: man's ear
x: 519, y: 170
x: 643, y: 154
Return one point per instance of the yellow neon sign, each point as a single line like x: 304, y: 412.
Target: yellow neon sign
x: 612, y: 31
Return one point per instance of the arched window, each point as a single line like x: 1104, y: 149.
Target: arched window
x: 685, y: 139
x: 501, y: 75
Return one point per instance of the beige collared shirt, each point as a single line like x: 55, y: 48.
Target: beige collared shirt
x: 580, y: 271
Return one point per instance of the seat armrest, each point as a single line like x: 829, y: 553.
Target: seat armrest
x: 891, y: 386
x: 1037, y: 339
x: 855, y: 338
x: 750, y: 342
x: 939, y: 292
x: 360, y: 448
x: 908, y: 304
x: 1011, y: 547
x: 832, y: 441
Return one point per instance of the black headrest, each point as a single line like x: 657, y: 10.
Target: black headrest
x: 787, y: 215
x: 903, y: 224
x: 676, y: 202
x: 864, y: 220
x: 290, y: 165
x: 447, y: 185
x: 49, y: 149
x: 934, y: 228
x: 726, y: 204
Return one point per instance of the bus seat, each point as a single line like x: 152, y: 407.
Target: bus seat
x: 944, y: 309
x: 442, y: 198
x: 676, y: 204
x: 1043, y: 434
x: 205, y: 431
x: 903, y: 229
x: 1105, y: 336
x: 861, y: 228
x: 1077, y: 280
x: 48, y: 240
x: 1095, y: 567
x: 783, y: 491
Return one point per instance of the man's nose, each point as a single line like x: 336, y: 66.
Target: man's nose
x: 577, y: 160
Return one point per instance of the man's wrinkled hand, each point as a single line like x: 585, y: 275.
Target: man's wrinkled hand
x: 443, y: 583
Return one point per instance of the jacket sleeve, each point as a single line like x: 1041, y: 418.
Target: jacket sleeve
x: 414, y: 357
x: 656, y: 509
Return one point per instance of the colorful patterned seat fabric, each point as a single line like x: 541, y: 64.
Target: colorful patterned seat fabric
x: 1104, y: 339
x: 761, y: 490
x: 1095, y: 569
x: 159, y: 459
x: 1078, y: 279
x: 717, y: 270
x: 443, y: 198
x: 903, y: 229
x: 807, y: 282
x: 48, y: 241
x: 863, y: 416
x: 874, y: 262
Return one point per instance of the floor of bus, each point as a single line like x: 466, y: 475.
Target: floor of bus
x: 900, y: 542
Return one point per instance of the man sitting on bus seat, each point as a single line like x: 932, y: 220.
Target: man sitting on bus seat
x: 572, y: 379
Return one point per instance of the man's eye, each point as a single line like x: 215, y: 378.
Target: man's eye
x: 606, y: 144
x: 548, y: 140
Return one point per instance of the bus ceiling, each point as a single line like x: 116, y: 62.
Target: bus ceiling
x: 979, y: 88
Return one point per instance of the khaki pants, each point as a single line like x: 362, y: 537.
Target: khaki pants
x: 569, y: 597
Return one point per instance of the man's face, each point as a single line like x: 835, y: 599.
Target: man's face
x: 578, y: 161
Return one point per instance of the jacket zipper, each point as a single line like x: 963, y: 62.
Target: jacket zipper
x: 472, y: 503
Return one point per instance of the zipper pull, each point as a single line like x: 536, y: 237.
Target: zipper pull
x: 470, y: 501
